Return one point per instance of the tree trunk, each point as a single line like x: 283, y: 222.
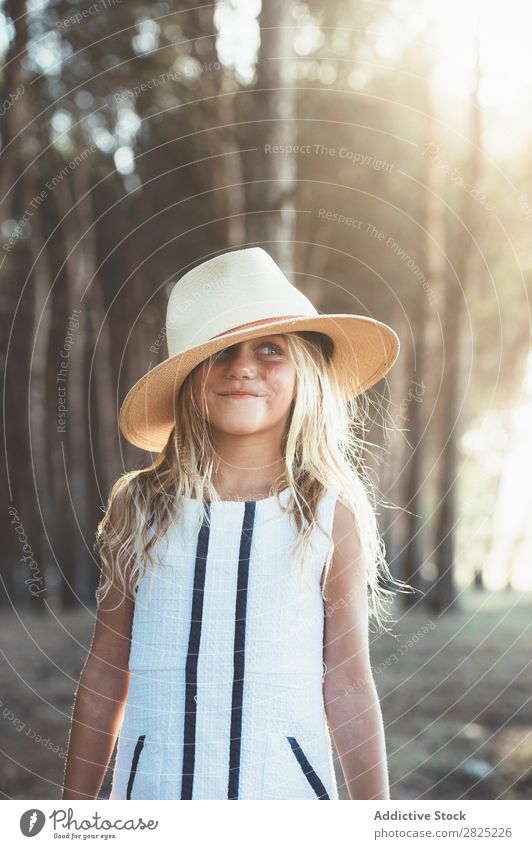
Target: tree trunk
x: 217, y: 117
x: 101, y: 380
x: 426, y: 352
x: 73, y: 440
x: 442, y: 595
x: 39, y: 423
x: 270, y: 177
x: 34, y: 497
x: 15, y: 468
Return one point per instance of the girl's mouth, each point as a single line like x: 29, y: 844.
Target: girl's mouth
x: 239, y: 395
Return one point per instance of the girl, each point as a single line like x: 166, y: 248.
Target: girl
x: 241, y: 568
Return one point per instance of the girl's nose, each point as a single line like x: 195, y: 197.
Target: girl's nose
x: 240, y: 362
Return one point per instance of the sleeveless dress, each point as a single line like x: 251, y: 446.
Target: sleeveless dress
x: 225, y: 699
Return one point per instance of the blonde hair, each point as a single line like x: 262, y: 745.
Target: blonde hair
x: 322, y: 447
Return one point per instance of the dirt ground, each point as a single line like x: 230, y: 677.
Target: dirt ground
x: 456, y: 697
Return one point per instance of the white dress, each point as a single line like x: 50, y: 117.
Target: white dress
x: 226, y: 689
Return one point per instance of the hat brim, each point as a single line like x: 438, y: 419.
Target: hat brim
x: 364, y: 351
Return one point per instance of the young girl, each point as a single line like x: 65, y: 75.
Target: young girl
x: 241, y: 568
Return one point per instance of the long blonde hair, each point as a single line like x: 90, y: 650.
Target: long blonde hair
x: 322, y: 447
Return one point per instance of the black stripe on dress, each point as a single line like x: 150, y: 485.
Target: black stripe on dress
x: 191, y: 668
x: 239, y: 650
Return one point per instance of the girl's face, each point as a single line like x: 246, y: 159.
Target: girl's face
x: 261, y: 368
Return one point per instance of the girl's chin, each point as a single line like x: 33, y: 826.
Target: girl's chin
x: 238, y: 425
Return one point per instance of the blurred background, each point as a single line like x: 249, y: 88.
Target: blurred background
x: 380, y: 151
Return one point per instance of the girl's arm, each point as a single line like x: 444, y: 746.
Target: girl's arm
x: 351, y: 701
x: 100, y: 698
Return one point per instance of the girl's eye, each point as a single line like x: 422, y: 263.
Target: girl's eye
x: 274, y: 348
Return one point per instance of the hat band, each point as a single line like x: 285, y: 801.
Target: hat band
x: 271, y: 318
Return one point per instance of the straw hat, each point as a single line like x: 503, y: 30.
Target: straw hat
x: 235, y: 296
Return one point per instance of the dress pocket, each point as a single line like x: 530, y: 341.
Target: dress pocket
x: 134, y: 763
x: 294, y: 767
x: 308, y: 770
x: 138, y: 767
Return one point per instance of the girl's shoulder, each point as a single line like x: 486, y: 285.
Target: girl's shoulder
x: 333, y: 495
x: 328, y: 506
x: 337, y: 505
